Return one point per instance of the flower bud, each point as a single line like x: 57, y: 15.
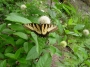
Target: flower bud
x: 23, y: 7
x: 63, y: 43
x: 9, y: 24
x: 86, y: 32
x: 44, y: 20
x: 42, y: 10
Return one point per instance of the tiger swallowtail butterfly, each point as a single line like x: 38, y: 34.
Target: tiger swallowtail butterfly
x: 41, y: 29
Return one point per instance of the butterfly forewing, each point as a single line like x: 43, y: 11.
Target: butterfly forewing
x: 29, y: 26
x: 41, y: 29
x: 37, y: 28
x: 44, y: 29
x: 52, y: 28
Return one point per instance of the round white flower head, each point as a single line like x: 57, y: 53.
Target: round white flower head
x: 23, y: 7
x: 86, y: 32
x: 63, y: 43
x: 42, y: 10
x: 9, y: 24
x: 44, y: 20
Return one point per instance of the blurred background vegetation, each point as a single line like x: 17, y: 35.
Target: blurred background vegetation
x: 69, y: 46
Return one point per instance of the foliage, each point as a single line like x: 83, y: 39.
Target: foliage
x: 22, y: 48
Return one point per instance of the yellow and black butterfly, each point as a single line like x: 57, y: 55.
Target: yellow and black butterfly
x: 41, y: 29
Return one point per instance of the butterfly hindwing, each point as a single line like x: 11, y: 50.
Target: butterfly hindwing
x: 41, y: 29
x: 52, y: 28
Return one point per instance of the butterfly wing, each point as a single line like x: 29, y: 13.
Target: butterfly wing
x: 41, y: 29
x: 33, y: 27
x: 47, y: 28
x: 52, y: 28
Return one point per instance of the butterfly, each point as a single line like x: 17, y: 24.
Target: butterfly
x: 41, y: 29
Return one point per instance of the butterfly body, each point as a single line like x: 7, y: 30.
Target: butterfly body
x: 41, y: 29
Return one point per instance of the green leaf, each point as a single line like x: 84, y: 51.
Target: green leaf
x: 42, y: 44
x: 87, y: 43
x: 55, y: 0
x: 55, y: 50
x: 70, y: 22
x: 20, y: 41
x: 79, y: 27
x: 25, y: 46
x: 66, y: 9
x: 16, y: 18
x: 7, y: 31
x: 2, y: 26
x: 21, y: 34
x: 58, y: 10
x: 76, y: 33
x: 60, y: 27
x: 8, y: 39
x: 80, y: 56
x: 16, y: 27
x: 17, y: 54
x: 34, y: 19
x: 10, y: 55
x: 14, y: 56
x: 36, y: 41
x: 52, y: 40
x: 52, y: 50
x: 3, y: 63
x: 71, y: 8
x: 32, y: 54
x: 34, y: 9
x: 1, y: 55
x: 87, y: 62
x: 44, y: 61
x: 8, y: 49
x: 22, y: 60
x: 52, y: 13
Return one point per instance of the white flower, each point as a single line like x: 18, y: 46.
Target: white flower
x: 41, y: 2
x: 23, y: 7
x: 44, y: 20
x: 42, y: 10
x: 63, y: 43
x: 9, y: 24
x: 86, y: 32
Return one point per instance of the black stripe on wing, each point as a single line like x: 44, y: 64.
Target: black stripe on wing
x: 41, y: 29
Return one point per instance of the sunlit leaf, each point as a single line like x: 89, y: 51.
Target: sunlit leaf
x: 76, y: 33
x: 10, y: 55
x: 36, y: 41
x: 17, y: 54
x: 8, y: 39
x: 17, y: 18
x: 52, y: 13
x: 22, y: 60
x: 79, y: 27
x: 2, y: 26
x: 8, y: 49
x: 52, y: 49
x: 20, y: 41
x: 25, y: 46
x: 21, y: 34
x: 87, y: 62
x: 44, y: 61
x: 7, y: 31
x: 1, y: 55
x: 3, y: 63
x: 52, y: 40
x: 32, y: 54
x: 16, y: 27
x: 60, y: 27
x: 70, y: 22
